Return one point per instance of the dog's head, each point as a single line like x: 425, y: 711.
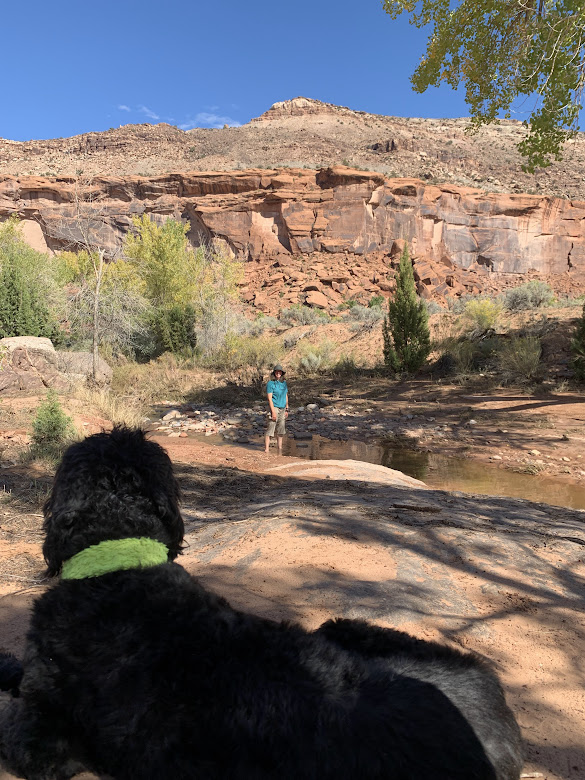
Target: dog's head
x: 111, y: 486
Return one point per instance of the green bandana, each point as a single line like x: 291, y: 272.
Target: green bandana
x: 114, y: 555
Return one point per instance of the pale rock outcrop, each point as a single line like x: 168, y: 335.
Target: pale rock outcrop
x: 31, y: 364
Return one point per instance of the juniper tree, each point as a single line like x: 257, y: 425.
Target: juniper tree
x: 24, y: 288
x: 405, y: 330
x: 52, y: 428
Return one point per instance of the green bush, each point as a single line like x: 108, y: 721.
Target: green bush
x: 24, y: 289
x: 458, y: 305
x: 407, y: 341
x: 462, y: 355
x: 52, y: 428
x: 376, y: 302
x: 530, y: 295
x: 172, y: 329
x: 345, y: 366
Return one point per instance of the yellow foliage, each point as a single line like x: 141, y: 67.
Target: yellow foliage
x: 483, y: 314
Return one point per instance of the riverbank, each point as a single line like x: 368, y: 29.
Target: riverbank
x: 527, y: 434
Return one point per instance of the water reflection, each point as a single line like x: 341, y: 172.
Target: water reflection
x: 444, y: 472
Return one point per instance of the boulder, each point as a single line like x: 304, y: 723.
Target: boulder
x: 29, y: 364
x: 78, y: 366
x: 317, y: 300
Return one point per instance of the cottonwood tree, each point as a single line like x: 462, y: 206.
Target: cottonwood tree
x: 505, y: 51
x: 184, y: 285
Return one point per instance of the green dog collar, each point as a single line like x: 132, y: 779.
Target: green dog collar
x: 114, y: 555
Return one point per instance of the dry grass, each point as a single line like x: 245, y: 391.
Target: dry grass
x: 119, y: 409
x: 146, y: 384
x: 519, y: 359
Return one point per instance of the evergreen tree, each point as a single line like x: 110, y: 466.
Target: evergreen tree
x: 406, y: 333
x: 52, y: 428
x: 22, y: 311
x: 30, y: 300
x: 578, y: 348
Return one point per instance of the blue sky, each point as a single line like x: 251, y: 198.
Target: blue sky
x: 71, y: 66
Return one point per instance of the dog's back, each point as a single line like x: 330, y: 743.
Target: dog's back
x: 141, y: 674
x: 151, y: 676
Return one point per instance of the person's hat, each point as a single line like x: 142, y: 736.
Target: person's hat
x: 278, y: 367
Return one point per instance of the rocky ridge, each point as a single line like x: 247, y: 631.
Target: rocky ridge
x: 306, y: 132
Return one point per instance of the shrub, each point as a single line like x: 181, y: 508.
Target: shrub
x: 528, y: 296
x: 458, y: 305
x: 315, y: 356
x: 345, y: 366
x: 433, y: 307
x: 363, y: 316
x: 376, y: 302
x: 482, y: 314
x: 52, y: 428
x: 27, y: 282
x: 173, y: 330
x: 519, y: 358
x: 302, y: 315
x: 578, y: 348
x: 462, y: 354
x: 262, y: 323
x: 240, y: 351
x: 310, y: 363
x: 407, y: 342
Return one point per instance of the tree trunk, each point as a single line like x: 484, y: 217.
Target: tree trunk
x: 96, y: 303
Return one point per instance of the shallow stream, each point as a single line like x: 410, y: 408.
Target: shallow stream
x: 445, y: 473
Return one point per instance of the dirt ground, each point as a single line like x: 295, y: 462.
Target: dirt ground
x: 501, y: 577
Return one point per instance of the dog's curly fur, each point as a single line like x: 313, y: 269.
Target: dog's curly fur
x: 145, y: 675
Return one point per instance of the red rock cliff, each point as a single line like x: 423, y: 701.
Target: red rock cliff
x: 357, y: 218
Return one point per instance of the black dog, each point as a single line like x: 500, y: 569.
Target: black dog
x: 141, y: 674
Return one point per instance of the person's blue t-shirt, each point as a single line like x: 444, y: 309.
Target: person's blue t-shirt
x: 279, y: 391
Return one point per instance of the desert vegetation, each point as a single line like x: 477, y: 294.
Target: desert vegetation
x: 164, y: 313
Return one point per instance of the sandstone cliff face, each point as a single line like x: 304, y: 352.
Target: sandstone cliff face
x: 337, y: 218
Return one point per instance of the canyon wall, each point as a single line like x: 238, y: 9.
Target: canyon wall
x: 335, y: 217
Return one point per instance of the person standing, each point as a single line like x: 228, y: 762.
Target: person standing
x: 277, y: 394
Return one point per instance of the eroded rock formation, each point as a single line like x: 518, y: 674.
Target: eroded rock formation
x: 322, y: 236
